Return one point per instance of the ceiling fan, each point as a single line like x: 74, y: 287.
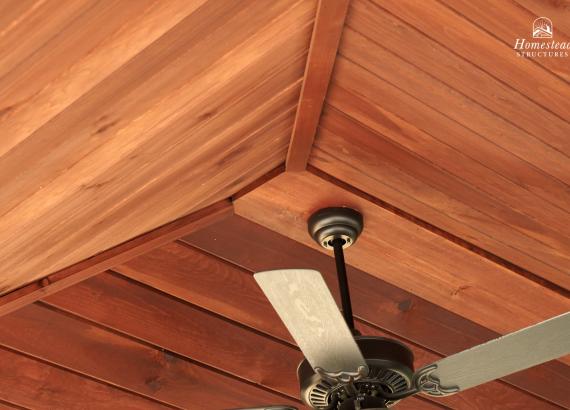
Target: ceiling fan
x: 344, y: 370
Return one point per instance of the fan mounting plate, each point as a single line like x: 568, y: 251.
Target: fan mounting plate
x: 328, y: 224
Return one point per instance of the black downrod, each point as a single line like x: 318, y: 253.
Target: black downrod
x: 338, y: 244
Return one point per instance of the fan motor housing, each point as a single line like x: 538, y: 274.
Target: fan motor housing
x: 390, y: 366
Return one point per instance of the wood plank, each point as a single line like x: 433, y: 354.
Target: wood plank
x: 402, y: 253
x: 329, y: 24
x: 383, y: 167
x: 163, y: 123
x: 455, y: 105
x: 88, y: 40
x: 186, y: 330
x: 37, y: 385
x: 519, y: 19
x: 114, y: 256
x: 176, y: 269
x: 123, y: 362
x: 495, y: 57
x: 462, y: 74
x: 557, y: 11
x: 256, y: 248
x: 4, y: 405
x: 439, y: 126
x: 163, y: 321
x: 424, y: 139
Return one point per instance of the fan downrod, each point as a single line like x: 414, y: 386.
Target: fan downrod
x: 328, y: 224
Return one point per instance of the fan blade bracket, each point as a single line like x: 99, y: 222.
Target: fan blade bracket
x: 427, y: 383
x: 497, y: 358
x: 345, y: 377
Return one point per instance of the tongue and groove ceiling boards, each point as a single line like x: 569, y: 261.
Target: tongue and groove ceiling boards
x: 120, y: 116
x: 156, y: 153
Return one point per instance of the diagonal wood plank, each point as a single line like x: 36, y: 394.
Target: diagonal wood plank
x: 114, y: 256
x: 35, y: 384
x: 327, y: 31
x: 123, y: 362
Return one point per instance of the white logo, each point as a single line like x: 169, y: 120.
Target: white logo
x: 542, y: 43
x: 542, y: 28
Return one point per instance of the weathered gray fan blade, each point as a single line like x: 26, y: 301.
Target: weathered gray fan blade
x: 306, y: 307
x: 497, y: 358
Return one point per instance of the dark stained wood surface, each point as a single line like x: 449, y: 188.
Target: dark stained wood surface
x: 182, y: 272
x: 188, y: 330
x: 165, y: 322
x: 118, y: 254
x: 404, y: 254
x: 107, y: 356
x: 111, y: 110
x: 329, y: 24
x: 374, y: 301
x: 34, y: 384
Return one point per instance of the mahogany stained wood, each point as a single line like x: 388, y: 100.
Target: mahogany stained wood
x: 374, y: 301
x: 34, y: 384
x: 119, y: 117
x: 398, y: 251
x: 120, y: 361
x: 189, y: 331
x: 176, y: 269
x: 329, y: 24
x: 116, y: 255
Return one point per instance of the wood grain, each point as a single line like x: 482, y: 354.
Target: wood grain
x: 116, y: 255
x: 329, y: 24
x: 88, y: 40
x: 410, y: 158
x: 183, y: 329
x: 161, y: 124
x: 457, y: 106
x: 400, y: 252
x: 187, y: 330
x: 520, y: 26
x: 34, y: 384
x: 557, y: 11
x: 420, y: 51
x: 176, y: 268
x: 123, y: 362
x: 486, y: 51
x: 376, y: 302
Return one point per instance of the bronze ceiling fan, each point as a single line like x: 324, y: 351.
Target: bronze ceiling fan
x: 344, y: 370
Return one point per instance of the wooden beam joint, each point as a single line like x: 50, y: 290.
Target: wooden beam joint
x: 329, y: 24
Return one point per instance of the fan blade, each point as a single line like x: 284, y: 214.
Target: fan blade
x: 497, y: 358
x: 306, y: 307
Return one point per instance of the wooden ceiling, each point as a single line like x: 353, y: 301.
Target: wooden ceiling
x: 156, y: 153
